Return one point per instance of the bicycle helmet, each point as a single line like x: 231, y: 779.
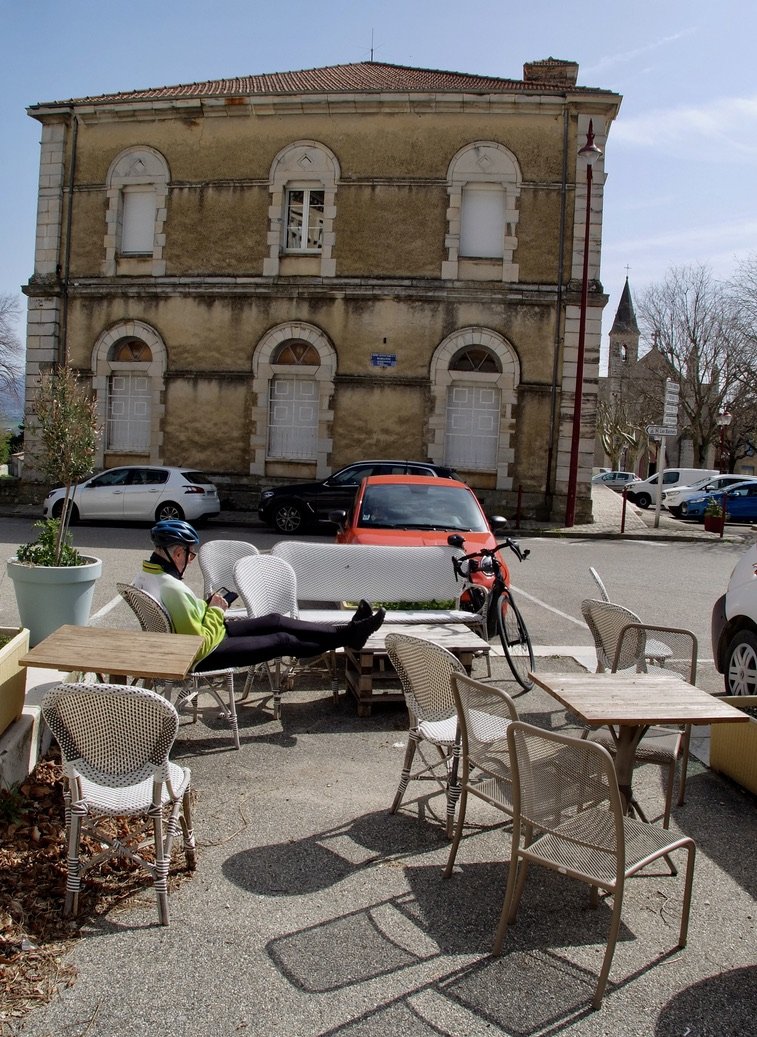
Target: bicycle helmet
x: 173, y: 531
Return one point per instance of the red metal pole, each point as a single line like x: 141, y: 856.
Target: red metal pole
x: 623, y: 510
x: 570, y: 506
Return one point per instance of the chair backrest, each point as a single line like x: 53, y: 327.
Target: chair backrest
x: 150, y: 613
x: 217, y: 559
x: 111, y: 734
x: 425, y: 671
x: 485, y: 713
x: 606, y: 620
x: 600, y: 584
x: 558, y: 776
x: 673, y: 648
x: 266, y: 584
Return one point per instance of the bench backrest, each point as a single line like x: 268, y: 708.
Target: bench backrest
x: 348, y: 572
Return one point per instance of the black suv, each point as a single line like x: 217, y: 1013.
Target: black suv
x: 289, y: 509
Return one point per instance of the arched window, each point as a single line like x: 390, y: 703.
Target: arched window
x: 137, y: 186
x: 129, y: 362
x: 474, y: 378
x: 294, y: 366
x: 303, y: 183
x: 483, y: 182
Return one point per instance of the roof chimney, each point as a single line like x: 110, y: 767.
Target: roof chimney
x: 552, y: 71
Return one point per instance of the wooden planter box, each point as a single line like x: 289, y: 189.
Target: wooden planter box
x: 733, y: 747
x: 12, y: 675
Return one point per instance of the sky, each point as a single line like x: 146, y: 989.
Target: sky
x: 680, y: 160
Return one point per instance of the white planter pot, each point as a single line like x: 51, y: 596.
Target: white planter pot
x: 48, y: 596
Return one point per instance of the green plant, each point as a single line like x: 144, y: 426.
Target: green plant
x: 713, y: 508
x: 65, y: 435
x: 49, y: 548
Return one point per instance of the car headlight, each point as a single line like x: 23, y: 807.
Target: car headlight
x: 266, y: 494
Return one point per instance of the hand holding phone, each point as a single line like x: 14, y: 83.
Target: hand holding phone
x: 226, y: 594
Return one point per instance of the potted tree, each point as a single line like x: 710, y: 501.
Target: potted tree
x: 54, y: 584
x: 714, y: 516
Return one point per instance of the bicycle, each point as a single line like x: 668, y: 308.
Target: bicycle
x: 498, y: 606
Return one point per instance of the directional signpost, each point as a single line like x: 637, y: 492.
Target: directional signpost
x: 669, y: 427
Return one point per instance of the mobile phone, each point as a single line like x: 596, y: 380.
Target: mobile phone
x: 225, y: 593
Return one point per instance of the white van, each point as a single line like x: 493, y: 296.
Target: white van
x: 644, y: 493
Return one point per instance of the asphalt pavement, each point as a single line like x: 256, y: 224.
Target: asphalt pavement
x: 313, y: 911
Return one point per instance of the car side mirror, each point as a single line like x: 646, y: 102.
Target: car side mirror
x: 338, y: 518
x: 456, y: 540
x: 497, y: 523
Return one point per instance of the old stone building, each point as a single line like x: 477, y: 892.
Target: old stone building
x: 271, y: 276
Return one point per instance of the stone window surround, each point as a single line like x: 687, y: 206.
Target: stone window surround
x: 136, y: 166
x: 263, y: 372
x: 155, y: 369
x: 484, y: 162
x: 304, y: 163
x: 507, y: 381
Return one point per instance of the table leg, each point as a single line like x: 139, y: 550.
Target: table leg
x: 626, y: 739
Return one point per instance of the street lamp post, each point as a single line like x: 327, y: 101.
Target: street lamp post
x: 724, y: 419
x: 589, y: 151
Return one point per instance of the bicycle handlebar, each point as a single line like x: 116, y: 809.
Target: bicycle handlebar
x: 521, y: 553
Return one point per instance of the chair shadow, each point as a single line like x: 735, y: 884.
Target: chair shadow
x: 718, y: 1005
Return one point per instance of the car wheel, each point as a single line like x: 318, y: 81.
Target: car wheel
x: 58, y: 511
x: 168, y: 510
x: 288, y: 517
x: 675, y: 511
x: 741, y: 664
x: 643, y: 500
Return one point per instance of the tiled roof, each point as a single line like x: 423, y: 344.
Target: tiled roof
x: 360, y: 77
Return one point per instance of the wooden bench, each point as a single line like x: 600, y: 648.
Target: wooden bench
x: 331, y: 574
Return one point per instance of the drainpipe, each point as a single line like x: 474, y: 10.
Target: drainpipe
x: 65, y: 271
x: 549, y: 494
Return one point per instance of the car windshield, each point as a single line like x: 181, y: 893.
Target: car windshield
x: 421, y: 507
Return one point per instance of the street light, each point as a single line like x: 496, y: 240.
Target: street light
x: 589, y: 151
x: 723, y: 419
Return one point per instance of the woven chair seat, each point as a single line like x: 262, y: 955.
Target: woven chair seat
x: 441, y: 732
x: 133, y: 799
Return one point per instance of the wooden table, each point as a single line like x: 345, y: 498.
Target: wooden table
x: 629, y: 703
x: 116, y: 653
x: 368, y: 670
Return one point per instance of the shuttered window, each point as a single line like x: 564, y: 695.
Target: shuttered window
x: 138, y: 221
x: 482, y: 234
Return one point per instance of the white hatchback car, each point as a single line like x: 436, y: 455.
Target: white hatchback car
x: 139, y: 493
x: 734, y: 628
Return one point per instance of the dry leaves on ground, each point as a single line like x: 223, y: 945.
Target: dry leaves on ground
x: 34, y: 935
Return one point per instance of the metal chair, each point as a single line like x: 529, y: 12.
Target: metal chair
x: 217, y: 559
x: 484, y: 713
x: 623, y: 641
x: 425, y: 671
x: 568, y: 809
x: 218, y: 683
x: 268, y: 584
x: 115, y: 741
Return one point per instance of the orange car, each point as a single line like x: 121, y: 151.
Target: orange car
x: 417, y: 511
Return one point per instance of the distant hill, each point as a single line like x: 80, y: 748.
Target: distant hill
x: 11, y: 406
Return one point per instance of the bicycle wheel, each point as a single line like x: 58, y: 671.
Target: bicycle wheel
x: 515, y: 640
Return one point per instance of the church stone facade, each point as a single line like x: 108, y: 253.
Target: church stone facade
x: 271, y: 276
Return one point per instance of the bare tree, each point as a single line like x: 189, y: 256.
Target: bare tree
x: 11, y: 353
x: 690, y: 319
x: 741, y: 437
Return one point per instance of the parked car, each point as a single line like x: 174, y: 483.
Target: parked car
x: 289, y: 509
x: 417, y: 511
x: 739, y: 501
x: 146, y: 493
x: 734, y: 628
x: 615, y: 480
x: 644, y: 492
x: 673, y: 499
